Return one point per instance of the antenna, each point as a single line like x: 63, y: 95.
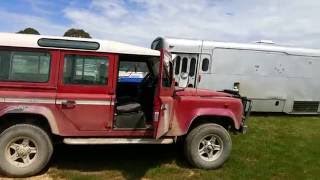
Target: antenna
x: 265, y: 42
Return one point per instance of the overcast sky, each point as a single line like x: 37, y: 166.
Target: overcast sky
x: 288, y: 22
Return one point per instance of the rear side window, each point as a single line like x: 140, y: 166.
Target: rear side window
x: 85, y: 70
x: 24, y: 66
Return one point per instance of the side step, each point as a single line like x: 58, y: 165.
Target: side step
x: 102, y: 141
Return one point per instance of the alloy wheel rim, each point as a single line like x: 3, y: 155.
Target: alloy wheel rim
x: 21, y: 152
x: 210, y: 147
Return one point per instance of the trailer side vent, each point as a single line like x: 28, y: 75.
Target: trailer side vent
x: 305, y: 106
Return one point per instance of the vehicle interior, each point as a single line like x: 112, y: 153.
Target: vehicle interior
x: 136, y: 86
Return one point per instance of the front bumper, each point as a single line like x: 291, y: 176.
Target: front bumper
x: 247, y: 105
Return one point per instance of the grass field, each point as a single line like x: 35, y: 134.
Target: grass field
x: 275, y: 147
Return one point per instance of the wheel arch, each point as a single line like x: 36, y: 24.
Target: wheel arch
x: 225, y: 121
x: 40, y: 116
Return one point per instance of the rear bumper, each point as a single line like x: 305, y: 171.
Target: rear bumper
x: 247, y: 105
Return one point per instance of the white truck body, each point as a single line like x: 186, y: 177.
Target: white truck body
x: 275, y: 78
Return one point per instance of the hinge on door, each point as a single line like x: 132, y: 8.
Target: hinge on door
x: 171, y: 123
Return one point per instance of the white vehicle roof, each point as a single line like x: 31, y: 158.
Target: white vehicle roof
x: 194, y: 46
x: 31, y: 41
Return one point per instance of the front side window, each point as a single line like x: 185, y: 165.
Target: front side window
x: 167, y: 75
x: 167, y: 71
x: 85, y: 70
x: 24, y: 66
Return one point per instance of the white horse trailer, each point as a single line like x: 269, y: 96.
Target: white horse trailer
x: 275, y: 78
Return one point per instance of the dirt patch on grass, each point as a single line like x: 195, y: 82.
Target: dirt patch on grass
x: 40, y: 177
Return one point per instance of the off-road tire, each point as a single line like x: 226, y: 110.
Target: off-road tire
x: 42, y: 156
x: 192, y: 144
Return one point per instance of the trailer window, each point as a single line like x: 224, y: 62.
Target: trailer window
x: 86, y: 70
x: 205, y: 64
x: 177, y: 68
x: 184, y: 65
x: 24, y: 66
x: 192, y: 67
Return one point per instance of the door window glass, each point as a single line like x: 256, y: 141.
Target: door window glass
x: 167, y: 74
x: 167, y: 71
x: 86, y: 70
x: 24, y: 66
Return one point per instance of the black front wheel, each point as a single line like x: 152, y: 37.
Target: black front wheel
x: 25, y: 150
x: 208, y: 146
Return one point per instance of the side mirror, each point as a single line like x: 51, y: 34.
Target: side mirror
x: 236, y: 86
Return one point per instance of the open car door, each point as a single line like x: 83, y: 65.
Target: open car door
x: 164, y: 109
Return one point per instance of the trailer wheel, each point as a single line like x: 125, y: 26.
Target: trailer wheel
x: 208, y: 146
x: 25, y: 150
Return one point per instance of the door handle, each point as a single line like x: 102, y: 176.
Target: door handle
x: 68, y: 104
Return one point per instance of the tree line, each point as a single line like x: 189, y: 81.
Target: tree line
x: 69, y: 33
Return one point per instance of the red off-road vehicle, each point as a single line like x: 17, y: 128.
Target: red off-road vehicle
x: 70, y: 90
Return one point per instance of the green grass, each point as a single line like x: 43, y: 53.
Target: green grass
x: 275, y: 147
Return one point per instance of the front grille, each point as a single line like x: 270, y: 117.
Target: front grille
x: 305, y: 106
